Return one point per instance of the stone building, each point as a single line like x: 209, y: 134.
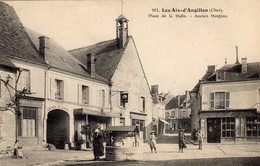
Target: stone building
x: 75, y: 94
x: 95, y: 85
x: 7, y: 117
x: 118, y: 62
x: 17, y: 46
x: 226, y: 102
x: 178, y: 114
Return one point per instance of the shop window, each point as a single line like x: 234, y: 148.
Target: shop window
x: 59, y: 89
x: 253, y: 127
x: 228, y: 127
x: 219, y: 100
x: 85, y: 94
x: 27, y: 122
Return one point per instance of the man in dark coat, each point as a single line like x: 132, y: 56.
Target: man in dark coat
x: 98, y: 147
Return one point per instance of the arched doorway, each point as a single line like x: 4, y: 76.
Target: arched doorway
x: 58, y: 128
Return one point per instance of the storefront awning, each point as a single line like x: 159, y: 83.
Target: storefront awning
x: 137, y: 116
x: 164, y: 121
x: 95, y: 112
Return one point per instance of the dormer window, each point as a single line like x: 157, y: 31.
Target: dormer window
x: 220, y: 75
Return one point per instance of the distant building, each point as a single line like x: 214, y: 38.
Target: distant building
x: 178, y: 114
x: 158, y: 112
x: 226, y: 103
x: 166, y: 97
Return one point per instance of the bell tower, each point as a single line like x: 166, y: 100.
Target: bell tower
x: 121, y: 30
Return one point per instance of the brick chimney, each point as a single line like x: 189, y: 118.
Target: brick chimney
x: 244, y: 65
x: 179, y: 100
x: 91, y: 60
x: 211, y: 69
x: 155, y: 89
x: 121, y: 30
x: 43, y: 46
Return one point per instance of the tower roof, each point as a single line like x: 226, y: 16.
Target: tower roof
x: 122, y: 17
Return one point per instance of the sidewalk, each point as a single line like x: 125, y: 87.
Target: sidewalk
x: 42, y: 156
x: 164, y: 152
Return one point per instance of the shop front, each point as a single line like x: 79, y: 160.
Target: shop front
x: 230, y: 125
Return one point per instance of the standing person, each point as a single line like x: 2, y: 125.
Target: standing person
x: 181, y: 141
x: 152, y: 142
x: 98, y: 147
x: 17, y: 153
x: 200, y: 138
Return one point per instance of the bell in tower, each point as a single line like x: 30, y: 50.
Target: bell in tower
x: 121, y: 30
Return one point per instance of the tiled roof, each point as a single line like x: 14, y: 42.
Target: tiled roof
x: 59, y: 58
x: 14, y: 41
x: 107, y: 53
x: 4, y: 61
x: 233, y: 72
x: 173, y: 103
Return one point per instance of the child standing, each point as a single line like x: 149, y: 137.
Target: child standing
x: 152, y: 142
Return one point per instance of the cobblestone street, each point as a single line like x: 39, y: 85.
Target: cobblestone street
x: 166, y: 154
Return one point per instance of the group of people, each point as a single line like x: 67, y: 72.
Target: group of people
x: 181, y: 140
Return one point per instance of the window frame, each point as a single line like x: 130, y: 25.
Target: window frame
x: 24, y: 81
x: 22, y: 117
x: 252, y: 122
x: 85, y: 97
x: 59, y: 96
x: 228, y: 127
x: 212, y: 100
x: 142, y: 104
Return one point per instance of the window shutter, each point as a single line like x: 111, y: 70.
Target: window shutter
x: 62, y: 90
x: 212, y: 97
x: 78, y: 93
x: 100, y: 97
x: 87, y: 95
x: 227, y: 99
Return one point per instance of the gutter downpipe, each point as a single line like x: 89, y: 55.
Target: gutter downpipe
x: 45, y: 110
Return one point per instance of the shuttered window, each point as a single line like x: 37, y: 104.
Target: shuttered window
x: 219, y: 100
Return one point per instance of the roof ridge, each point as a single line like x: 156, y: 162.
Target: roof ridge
x: 102, y: 42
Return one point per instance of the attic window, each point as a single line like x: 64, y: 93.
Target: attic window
x: 64, y: 59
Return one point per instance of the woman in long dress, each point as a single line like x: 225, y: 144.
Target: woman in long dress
x: 98, y: 147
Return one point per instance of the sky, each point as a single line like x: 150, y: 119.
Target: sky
x: 174, y: 52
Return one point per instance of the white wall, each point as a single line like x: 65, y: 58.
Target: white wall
x: 243, y: 94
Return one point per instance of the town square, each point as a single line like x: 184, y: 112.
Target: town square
x: 129, y: 83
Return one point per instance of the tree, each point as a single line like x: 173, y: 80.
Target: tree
x: 14, y: 105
